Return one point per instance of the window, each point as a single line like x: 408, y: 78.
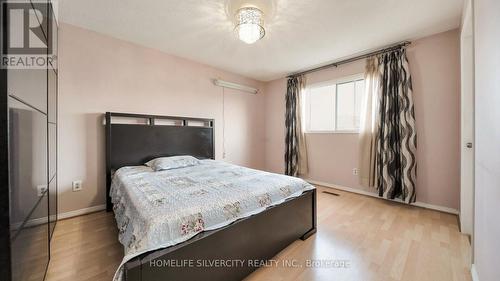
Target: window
x: 334, y: 106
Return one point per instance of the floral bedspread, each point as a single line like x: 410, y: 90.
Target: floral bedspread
x: 155, y: 210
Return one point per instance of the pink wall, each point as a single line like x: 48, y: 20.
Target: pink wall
x: 435, y: 66
x: 331, y: 157
x: 99, y: 74
x: 434, y: 62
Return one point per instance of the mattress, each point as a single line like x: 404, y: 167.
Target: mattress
x: 159, y: 209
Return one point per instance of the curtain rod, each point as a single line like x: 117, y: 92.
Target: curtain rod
x: 355, y: 58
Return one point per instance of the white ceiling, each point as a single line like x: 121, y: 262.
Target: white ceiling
x: 300, y: 35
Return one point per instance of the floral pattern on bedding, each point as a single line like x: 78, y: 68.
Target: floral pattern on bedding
x: 159, y: 209
x: 232, y: 210
x: 264, y: 200
x: 285, y: 190
x: 192, y: 223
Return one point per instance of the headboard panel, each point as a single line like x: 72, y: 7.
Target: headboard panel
x: 135, y: 143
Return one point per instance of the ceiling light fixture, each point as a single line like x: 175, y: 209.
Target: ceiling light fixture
x: 249, y: 24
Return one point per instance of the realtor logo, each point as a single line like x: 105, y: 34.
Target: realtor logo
x: 26, y: 34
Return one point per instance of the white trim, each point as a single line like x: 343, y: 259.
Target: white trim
x: 30, y: 223
x: 367, y: 193
x: 333, y: 132
x: 341, y: 80
x: 473, y: 273
x: 80, y: 212
x: 43, y: 220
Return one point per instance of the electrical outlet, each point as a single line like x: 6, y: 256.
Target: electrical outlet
x: 41, y: 189
x: 355, y: 171
x: 77, y: 185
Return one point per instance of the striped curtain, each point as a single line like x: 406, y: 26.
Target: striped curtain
x: 397, y: 136
x: 295, y: 145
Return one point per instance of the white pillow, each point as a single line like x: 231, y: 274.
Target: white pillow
x: 173, y: 162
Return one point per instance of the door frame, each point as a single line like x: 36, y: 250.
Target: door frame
x: 467, y: 94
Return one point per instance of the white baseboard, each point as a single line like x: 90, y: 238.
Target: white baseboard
x: 367, y: 193
x: 60, y: 216
x: 80, y: 212
x: 473, y: 272
x: 30, y: 223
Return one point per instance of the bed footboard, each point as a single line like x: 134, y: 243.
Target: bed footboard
x: 239, y: 246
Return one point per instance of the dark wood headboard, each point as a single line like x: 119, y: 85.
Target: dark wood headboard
x: 150, y: 136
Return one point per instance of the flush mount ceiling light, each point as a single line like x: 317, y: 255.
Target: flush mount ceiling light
x: 249, y: 24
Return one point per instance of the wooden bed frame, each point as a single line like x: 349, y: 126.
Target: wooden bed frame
x: 242, y: 245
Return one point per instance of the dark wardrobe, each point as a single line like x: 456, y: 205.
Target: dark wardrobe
x: 28, y: 145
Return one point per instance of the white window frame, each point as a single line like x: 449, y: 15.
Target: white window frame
x: 336, y: 82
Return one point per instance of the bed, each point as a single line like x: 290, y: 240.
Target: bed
x: 202, y: 222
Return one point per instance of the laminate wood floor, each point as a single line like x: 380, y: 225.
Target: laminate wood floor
x: 359, y: 238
